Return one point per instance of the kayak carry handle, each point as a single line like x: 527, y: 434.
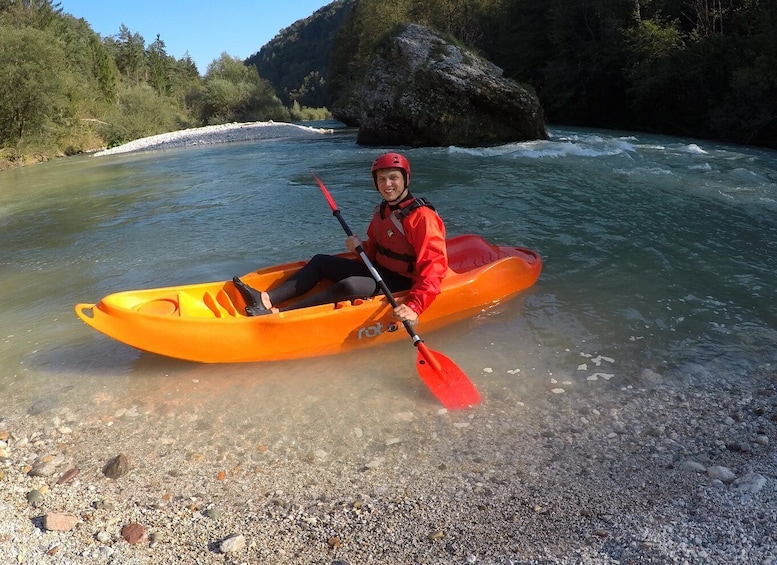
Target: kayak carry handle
x: 85, y: 312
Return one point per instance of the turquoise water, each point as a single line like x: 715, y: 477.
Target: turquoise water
x: 658, y: 253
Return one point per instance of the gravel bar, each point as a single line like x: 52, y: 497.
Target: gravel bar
x: 651, y: 471
x: 223, y: 133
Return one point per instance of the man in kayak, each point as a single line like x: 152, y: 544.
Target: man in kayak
x: 405, y: 242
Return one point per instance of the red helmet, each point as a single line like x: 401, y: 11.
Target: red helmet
x: 391, y: 161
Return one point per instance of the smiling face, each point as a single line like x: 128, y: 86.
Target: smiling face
x: 391, y: 184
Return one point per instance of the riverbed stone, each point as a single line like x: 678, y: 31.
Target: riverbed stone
x: 59, y: 521
x: 723, y: 474
x: 233, y: 544
x: 752, y: 483
x: 134, y: 533
x: 116, y: 467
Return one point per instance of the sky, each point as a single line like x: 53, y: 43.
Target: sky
x: 204, y: 28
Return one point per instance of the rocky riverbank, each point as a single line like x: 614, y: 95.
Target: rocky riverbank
x: 646, y: 472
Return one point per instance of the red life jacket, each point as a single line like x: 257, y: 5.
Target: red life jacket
x: 392, y: 249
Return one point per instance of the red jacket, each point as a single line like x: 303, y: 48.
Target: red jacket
x: 419, y: 253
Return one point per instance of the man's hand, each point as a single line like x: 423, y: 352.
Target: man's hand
x: 404, y: 313
x: 352, y: 242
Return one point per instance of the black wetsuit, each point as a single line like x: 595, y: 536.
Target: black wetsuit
x: 351, y: 280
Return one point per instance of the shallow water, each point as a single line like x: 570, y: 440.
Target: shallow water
x: 658, y: 253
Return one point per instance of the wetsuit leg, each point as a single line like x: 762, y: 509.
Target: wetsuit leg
x: 351, y: 280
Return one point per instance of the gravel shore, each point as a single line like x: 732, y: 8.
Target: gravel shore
x: 655, y: 470
x: 223, y: 133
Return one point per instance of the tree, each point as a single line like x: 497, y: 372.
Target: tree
x: 33, y: 92
x: 234, y: 92
x: 158, y: 65
x: 130, y: 55
x: 33, y: 13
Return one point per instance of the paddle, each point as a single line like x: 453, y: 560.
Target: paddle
x: 442, y: 376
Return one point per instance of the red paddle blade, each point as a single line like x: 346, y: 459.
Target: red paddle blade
x: 445, y: 379
x: 329, y: 199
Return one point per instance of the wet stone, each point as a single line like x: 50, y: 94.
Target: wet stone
x: 116, y: 467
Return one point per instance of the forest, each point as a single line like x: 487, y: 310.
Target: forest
x: 65, y: 90
x: 700, y: 68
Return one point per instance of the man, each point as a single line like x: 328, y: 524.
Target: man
x: 405, y: 242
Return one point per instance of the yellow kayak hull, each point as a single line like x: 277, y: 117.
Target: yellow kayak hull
x: 207, y: 322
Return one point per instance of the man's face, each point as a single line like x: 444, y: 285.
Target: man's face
x: 391, y: 184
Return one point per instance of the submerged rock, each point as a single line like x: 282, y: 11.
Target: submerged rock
x: 422, y: 90
x: 116, y: 467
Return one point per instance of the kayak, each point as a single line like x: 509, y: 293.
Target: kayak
x: 207, y: 323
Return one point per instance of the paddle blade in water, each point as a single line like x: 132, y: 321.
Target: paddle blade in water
x: 445, y: 379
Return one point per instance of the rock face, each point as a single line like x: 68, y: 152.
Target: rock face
x: 422, y: 90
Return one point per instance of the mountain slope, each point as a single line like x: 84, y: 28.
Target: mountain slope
x: 296, y: 61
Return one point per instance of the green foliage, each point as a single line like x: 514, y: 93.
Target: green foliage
x: 699, y: 68
x: 296, y: 61
x: 234, y: 92
x: 305, y: 114
x: 140, y: 111
x: 130, y: 55
x: 33, y: 100
x: 65, y: 89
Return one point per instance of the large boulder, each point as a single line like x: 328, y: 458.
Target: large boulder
x: 422, y: 90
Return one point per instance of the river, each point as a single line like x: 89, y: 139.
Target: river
x: 659, y: 259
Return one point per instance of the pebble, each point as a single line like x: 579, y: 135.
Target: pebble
x: 375, y: 463
x: 134, y: 533
x: 220, y: 133
x: 116, y: 467
x: 59, y: 521
x: 504, y: 474
x: 68, y: 476
x: 233, y: 544
x: 651, y: 377
x: 34, y: 497
x: 46, y: 466
x: 752, y: 483
x: 694, y: 466
x: 213, y: 513
x: 723, y: 474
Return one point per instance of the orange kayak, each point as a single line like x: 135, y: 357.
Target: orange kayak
x: 207, y: 322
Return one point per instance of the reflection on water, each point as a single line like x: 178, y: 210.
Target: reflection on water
x: 658, y: 253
